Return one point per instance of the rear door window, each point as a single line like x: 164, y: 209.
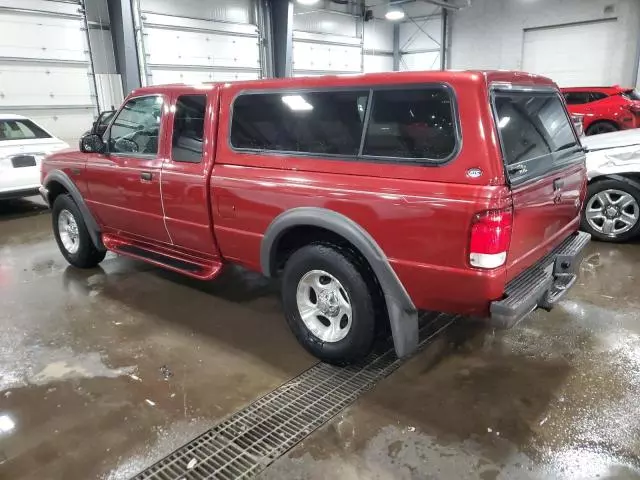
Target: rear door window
x: 535, y: 132
x: 576, y: 98
x: 188, y: 128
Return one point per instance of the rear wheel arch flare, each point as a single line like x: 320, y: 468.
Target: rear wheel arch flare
x: 403, y: 315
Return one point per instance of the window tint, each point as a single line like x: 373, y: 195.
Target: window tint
x: 188, y: 128
x: 531, y: 126
x: 576, y: 98
x: 20, y: 130
x: 307, y: 122
x: 593, y: 96
x: 137, y: 127
x: 416, y: 123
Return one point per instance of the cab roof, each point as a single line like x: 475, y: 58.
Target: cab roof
x: 435, y: 76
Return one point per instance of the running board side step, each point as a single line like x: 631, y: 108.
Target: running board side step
x: 170, y: 260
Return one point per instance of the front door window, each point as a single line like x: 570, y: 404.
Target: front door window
x: 136, y: 129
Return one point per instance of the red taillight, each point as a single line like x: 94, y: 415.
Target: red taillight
x: 490, y: 237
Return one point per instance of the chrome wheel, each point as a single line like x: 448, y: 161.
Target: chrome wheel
x: 612, y: 212
x: 68, y: 231
x: 324, y: 306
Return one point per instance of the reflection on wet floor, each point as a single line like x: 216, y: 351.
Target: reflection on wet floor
x: 102, y: 372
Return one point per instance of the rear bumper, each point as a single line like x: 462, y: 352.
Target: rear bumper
x: 542, y: 285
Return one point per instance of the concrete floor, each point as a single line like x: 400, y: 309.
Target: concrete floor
x: 105, y: 371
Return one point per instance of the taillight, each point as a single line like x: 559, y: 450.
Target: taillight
x: 490, y: 237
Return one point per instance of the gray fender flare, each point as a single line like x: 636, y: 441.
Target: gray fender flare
x: 64, y: 180
x: 403, y: 315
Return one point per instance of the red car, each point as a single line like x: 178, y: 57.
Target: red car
x: 604, y: 109
x: 372, y: 197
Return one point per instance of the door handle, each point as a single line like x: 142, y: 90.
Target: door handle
x: 558, y: 184
x: 146, y: 176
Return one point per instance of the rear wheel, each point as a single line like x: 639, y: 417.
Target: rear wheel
x: 328, y: 304
x: 72, y: 236
x: 601, y: 127
x: 612, y: 211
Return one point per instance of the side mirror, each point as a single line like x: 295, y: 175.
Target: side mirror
x: 92, y: 143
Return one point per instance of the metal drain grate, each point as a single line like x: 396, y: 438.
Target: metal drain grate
x: 249, y: 440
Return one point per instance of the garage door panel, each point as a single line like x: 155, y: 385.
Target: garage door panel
x: 45, y: 66
x: 573, y: 55
x: 39, y: 37
x: 326, y: 57
x: 378, y: 63
x: 45, y: 86
x: 161, y: 76
x: 67, y: 124
x: 171, y: 47
x: 420, y: 61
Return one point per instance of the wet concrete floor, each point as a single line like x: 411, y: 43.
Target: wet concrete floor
x: 103, y: 372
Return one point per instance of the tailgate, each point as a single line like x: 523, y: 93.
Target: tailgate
x: 545, y: 167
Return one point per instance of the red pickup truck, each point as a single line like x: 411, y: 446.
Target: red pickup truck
x: 371, y: 196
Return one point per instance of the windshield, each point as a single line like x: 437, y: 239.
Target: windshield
x: 20, y: 129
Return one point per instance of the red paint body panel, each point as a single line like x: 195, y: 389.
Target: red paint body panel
x: 615, y: 108
x: 419, y: 215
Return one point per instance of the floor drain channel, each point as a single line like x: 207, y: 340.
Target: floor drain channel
x: 249, y: 440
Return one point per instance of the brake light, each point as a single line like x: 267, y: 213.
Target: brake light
x: 490, y: 238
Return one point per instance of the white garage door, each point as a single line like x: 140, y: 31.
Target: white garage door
x: 325, y: 43
x: 573, y: 55
x: 194, y: 41
x: 45, y: 70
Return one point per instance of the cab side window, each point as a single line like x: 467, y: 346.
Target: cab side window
x: 136, y: 129
x: 188, y: 128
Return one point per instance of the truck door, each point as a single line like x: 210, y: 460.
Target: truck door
x: 186, y: 172
x: 124, y: 182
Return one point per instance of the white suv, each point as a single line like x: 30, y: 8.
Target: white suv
x: 23, y: 145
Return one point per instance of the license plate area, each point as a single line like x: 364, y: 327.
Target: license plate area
x: 20, y: 161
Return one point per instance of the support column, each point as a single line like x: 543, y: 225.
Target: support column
x: 396, y: 47
x: 443, y: 42
x: 281, y: 22
x: 124, y: 43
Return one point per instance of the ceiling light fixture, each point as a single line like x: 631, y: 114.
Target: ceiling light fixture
x: 394, y: 13
x: 307, y: 2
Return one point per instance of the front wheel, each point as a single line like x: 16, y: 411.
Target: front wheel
x: 328, y: 304
x: 72, y: 236
x: 612, y: 211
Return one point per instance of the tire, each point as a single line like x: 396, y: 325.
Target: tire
x: 614, y: 193
x: 349, y: 340
x: 601, y: 127
x: 74, y: 243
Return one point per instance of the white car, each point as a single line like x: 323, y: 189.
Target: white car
x: 23, y: 145
x: 612, y: 207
